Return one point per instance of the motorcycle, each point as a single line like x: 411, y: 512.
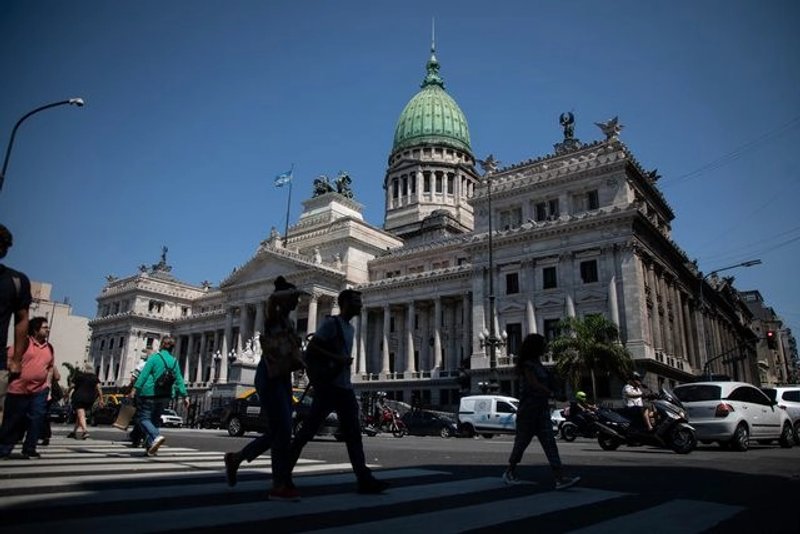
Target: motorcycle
x: 386, y: 420
x: 579, y: 423
x: 671, y: 428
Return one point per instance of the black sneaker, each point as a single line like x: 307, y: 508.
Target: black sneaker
x: 45, y: 442
x: 231, y: 467
x: 31, y: 454
x: 372, y: 486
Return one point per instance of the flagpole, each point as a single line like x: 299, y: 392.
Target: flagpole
x: 288, y: 204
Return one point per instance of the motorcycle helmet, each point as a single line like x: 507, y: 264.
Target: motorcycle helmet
x: 581, y: 396
x: 636, y: 376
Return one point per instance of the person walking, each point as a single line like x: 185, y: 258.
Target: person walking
x: 83, y: 393
x: 26, y: 400
x: 334, y: 340
x: 159, y: 381
x: 533, y: 415
x: 15, y: 299
x: 136, y: 434
x: 280, y: 349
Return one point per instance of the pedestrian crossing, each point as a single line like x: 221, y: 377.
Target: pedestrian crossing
x: 104, y: 486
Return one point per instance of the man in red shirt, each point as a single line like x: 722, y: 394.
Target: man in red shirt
x: 26, y: 401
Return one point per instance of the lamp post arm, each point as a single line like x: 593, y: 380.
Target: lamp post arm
x: 74, y: 101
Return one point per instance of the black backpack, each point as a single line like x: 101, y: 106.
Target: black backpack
x: 165, y: 381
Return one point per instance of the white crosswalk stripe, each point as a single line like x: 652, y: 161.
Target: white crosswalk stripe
x: 95, y: 485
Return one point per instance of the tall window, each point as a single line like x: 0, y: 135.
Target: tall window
x: 405, y: 186
x: 552, y: 208
x: 514, y: 331
x: 450, y: 181
x: 439, y: 184
x: 592, y: 200
x: 541, y: 211
x: 512, y: 283
x: 589, y: 271
x: 426, y: 182
x: 395, y: 188
x: 549, y: 279
x: 551, y: 329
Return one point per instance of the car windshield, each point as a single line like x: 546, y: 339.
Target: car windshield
x: 170, y: 412
x: 698, y: 393
x: 772, y: 393
x: 515, y: 404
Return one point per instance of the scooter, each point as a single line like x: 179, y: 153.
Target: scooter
x: 579, y: 423
x: 671, y: 428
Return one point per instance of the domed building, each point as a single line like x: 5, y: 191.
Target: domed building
x: 431, y: 168
x: 583, y: 230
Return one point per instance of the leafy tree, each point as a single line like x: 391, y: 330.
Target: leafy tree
x: 589, y: 345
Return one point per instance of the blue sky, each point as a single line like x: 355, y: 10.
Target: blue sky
x: 194, y: 106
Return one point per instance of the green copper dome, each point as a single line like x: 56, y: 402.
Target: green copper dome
x: 432, y: 116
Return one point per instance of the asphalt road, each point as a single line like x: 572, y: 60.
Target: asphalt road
x: 435, y: 482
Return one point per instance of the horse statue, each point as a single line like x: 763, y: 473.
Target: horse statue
x: 322, y: 185
x: 343, y: 182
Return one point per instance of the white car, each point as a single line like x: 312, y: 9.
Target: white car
x: 171, y: 418
x: 731, y: 413
x: 788, y: 398
x: 487, y: 415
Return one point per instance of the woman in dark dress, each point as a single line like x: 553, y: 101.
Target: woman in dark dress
x: 85, y: 391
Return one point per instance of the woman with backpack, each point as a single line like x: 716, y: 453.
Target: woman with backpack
x: 157, y: 384
x: 280, y: 346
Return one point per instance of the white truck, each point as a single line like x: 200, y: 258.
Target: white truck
x: 487, y: 415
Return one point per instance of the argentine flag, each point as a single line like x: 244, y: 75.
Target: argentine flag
x: 284, y: 178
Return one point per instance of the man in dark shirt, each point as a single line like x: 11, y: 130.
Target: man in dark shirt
x: 15, y: 298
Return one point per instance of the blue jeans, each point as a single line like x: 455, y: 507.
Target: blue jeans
x: 533, y: 419
x: 148, y: 416
x: 329, y: 399
x: 21, y: 412
x: 275, y: 395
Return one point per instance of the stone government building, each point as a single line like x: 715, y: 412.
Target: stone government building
x: 584, y: 230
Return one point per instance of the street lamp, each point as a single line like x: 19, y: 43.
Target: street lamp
x: 490, y: 339
x: 72, y: 102
x: 748, y: 263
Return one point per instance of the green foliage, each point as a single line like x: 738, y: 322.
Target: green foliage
x: 589, y: 345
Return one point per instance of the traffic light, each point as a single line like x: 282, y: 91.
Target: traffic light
x: 772, y: 343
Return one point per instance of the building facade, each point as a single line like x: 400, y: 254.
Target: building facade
x: 582, y: 230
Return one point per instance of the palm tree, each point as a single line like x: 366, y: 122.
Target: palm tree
x: 589, y: 344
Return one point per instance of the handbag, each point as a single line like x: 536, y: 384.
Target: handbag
x: 56, y: 393
x: 321, y: 369
x: 281, y: 348
x: 125, y: 416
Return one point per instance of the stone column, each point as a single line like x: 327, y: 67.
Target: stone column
x: 570, y: 306
x: 244, y: 327
x: 312, y: 313
x: 613, y: 303
x: 466, y: 311
x: 658, y: 344
x: 385, y: 344
x: 530, y: 318
x: 362, y: 342
x: 410, y: 363
x: 188, y: 358
x: 199, y: 371
x: 227, y: 342
x: 437, y: 333
x: 478, y: 356
x: 258, y: 326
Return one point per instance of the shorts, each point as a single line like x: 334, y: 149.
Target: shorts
x: 82, y: 405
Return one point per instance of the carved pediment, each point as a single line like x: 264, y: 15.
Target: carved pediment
x: 591, y: 295
x: 550, y: 301
x: 265, y: 265
x: 511, y: 307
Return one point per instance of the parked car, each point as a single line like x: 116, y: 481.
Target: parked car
x: 788, y: 398
x: 426, y: 423
x: 170, y: 417
x: 245, y: 414
x: 59, y: 413
x: 487, y: 415
x: 731, y: 413
x: 213, y: 418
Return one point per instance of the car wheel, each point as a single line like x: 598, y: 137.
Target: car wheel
x: 797, y: 433
x: 787, y: 436
x: 468, y: 430
x: 569, y: 432
x: 235, y: 427
x: 487, y: 436
x: 607, y: 443
x: 741, y: 438
x: 445, y: 432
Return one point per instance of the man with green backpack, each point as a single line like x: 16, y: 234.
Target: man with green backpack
x: 159, y: 382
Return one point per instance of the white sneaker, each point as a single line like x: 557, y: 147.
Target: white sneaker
x: 510, y: 479
x: 566, y: 482
x: 156, y: 444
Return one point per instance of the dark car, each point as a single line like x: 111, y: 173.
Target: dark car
x: 245, y: 414
x: 59, y: 413
x: 213, y: 418
x: 426, y: 423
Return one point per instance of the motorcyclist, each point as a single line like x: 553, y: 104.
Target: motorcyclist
x: 633, y: 396
x: 583, y: 404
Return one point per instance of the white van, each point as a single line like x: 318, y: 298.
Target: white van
x: 487, y: 415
